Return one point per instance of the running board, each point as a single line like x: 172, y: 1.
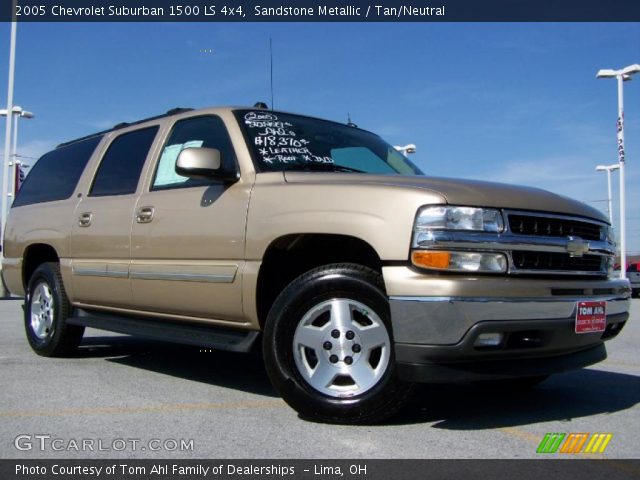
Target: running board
x: 183, y: 333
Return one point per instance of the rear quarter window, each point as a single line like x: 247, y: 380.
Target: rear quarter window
x: 56, y: 174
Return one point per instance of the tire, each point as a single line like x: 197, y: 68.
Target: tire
x: 328, y: 347
x: 45, y: 312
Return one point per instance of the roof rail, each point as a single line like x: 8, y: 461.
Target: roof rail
x: 173, y: 111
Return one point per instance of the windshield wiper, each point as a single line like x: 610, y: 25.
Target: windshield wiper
x: 328, y: 167
x: 342, y: 168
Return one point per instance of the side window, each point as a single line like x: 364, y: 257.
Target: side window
x: 206, y: 131
x: 120, y: 169
x: 56, y: 174
x: 633, y: 268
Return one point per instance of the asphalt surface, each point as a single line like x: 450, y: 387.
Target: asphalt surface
x: 132, y: 398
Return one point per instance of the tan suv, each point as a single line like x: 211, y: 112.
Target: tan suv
x: 359, y: 274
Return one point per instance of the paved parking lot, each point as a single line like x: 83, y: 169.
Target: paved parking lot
x: 148, y: 397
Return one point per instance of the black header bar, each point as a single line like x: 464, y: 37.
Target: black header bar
x: 322, y: 11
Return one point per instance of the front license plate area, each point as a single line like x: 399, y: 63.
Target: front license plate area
x: 591, y: 317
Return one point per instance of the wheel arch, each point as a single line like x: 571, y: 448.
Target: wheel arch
x: 291, y: 255
x: 34, y: 256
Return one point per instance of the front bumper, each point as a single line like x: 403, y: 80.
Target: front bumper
x: 435, y: 336
x: 529, y: 348
x: 416, y: 368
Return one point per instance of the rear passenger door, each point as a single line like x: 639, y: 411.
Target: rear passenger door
x: 100, y: 240
x: 187, y: 241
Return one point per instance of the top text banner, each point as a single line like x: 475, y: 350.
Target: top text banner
x: 321, y: 11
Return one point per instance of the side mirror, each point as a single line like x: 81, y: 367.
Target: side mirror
x: 204, y: 163
x: 199, y: 162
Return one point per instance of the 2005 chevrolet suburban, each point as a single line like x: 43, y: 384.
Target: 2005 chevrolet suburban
x: 359, y: 274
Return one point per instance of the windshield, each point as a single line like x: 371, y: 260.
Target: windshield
x: 281, y: 141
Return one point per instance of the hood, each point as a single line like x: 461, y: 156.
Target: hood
x: 462, y: 192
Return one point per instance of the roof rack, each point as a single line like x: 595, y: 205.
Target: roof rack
x: 173, y: 111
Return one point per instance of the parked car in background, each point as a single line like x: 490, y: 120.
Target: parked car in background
x: 633, y: 274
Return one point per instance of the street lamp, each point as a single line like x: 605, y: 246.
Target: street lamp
x: 407, y: 149
x: 7, y: 134
x: 18, y: 112
x: 608, y: 169
x: 621, y: 75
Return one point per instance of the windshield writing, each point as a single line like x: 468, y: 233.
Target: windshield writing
x: 283, y: 141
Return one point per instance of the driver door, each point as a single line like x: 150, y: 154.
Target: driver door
x: 188, y: 236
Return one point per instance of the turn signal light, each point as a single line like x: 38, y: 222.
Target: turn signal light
x: 431, y: 259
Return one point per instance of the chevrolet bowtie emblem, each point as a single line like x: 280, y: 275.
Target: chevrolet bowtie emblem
x: 576, y: 247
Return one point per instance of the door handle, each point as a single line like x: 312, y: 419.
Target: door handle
x: 84, y: 220
x: 145, y: 214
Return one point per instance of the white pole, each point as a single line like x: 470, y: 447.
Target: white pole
x: 621, y: 160
x: 609, y: 195
x: 7, y: 136
x: 14, y: 162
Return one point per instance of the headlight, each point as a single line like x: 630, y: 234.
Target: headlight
x: 444, y: 217
x: 431, y: 225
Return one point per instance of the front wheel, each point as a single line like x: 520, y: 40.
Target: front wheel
x: 45, y: 312
x: 328, y: 346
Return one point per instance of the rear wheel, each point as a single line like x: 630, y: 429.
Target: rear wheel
x: 328, y: 346
x: 46, y: 310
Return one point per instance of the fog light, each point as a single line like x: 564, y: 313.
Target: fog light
x: 488, y: 340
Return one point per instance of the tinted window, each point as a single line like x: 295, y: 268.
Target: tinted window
x: 207, y: 132
x: 56, y: 174
x: 120, y: 168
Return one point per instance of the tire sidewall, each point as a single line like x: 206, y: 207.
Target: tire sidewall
x: 288, y: 310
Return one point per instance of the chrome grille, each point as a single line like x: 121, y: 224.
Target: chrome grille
x: 547, y: 244
x: 534, y: 225
x: 557, y: 262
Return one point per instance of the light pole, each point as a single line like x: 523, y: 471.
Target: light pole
x: 621, y: 75
x: 608, y: 169
x: 407, y: 149
x: 7, y: 137
x: 17, y: 113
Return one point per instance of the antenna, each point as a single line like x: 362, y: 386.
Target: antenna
x: 271, y: 66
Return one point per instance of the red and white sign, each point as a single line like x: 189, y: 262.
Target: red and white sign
x: 591, y: 317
